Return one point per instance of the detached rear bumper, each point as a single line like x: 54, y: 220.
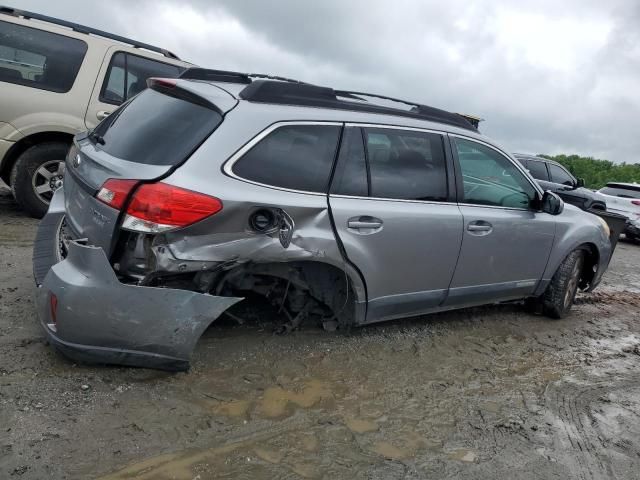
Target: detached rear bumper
x: 96, y: 318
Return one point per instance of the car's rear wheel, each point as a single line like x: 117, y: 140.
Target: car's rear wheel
x: 37, y: 174
x: 558, y: 299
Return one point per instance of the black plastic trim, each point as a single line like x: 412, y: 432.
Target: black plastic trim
x: 288, y: 93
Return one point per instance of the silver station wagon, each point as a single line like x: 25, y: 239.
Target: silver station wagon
x: 344, y: 207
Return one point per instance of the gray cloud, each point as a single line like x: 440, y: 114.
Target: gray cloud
x: 548, y: 76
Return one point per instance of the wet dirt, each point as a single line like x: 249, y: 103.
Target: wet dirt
x: 490, y: 392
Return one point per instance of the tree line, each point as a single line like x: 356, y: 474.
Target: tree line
x: 596, y: 172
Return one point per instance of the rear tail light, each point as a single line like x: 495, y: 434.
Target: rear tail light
x: 158, y: 207
x: 636, y: 202
x: 114, y: 192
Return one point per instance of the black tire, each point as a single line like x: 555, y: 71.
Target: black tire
x: 26, y: 176
x: 558, y: 299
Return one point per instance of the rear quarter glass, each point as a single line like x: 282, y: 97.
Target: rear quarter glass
x: 156, y: 129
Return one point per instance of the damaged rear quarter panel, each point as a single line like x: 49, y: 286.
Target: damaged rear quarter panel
x: 96, y: 309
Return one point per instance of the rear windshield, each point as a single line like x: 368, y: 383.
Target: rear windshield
x: 621, y: 192
x: 155, y: 129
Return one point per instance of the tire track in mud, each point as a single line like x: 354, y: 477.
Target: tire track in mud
x: 580, y: 421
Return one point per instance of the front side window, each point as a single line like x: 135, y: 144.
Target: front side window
x: 39, y: 59
x: 538, y: 170
x: 127, y: 76
x: 490, y: 178
x: 406, y: 165
x: 296, y: 157
x: 560, y: 175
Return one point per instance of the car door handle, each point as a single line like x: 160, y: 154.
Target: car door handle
x: 480, y: 227
x: 102, y: 114
x: 367, y: 222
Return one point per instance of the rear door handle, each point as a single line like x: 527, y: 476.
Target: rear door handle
x: 102, y: 114
x: 480, y: 227
x: 364, y: 222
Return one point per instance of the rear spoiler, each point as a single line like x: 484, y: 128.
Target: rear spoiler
x: 169, y: 86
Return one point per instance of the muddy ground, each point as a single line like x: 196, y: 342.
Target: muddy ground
x: 483, y: 393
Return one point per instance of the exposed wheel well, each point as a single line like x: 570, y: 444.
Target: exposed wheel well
x: 591, y: 260
x: 23, y: 144
x: 296, y: 285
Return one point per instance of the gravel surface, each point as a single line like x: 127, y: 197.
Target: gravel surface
x: 482, y: 393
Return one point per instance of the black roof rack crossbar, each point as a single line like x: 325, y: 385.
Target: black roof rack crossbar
x: 84, y: 29
x: 266, y: 91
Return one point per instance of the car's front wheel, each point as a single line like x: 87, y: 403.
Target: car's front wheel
x: 37, y: 174
x: 558, y: 299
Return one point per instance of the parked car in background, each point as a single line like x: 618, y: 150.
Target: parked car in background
x: 330, y: 204
x: 553, y: 176
x: 56, y: 79
x: 624, y: 199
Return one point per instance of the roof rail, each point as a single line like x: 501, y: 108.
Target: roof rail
x: 286, y: 93
x: 83, y: 29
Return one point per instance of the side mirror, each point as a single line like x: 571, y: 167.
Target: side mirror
x: 580, y: 183
x: 552, y: 203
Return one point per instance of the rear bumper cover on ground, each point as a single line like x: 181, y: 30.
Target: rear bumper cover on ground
x: 99, y: 319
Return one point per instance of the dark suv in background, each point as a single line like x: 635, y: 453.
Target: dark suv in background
x: 553, y: 176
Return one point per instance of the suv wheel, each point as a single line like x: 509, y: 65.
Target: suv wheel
x: 561, y: 292
x: 37, y: 174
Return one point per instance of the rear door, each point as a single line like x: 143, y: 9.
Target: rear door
x: 123, y: 75
x: 392, y: 202
x: 143, y: 140
x: 506, y: 244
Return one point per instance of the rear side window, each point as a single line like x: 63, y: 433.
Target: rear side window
x: 127, y: 76
x: 350, y: 177
x: 297, y: 157
x: 559, y: 175
x: 39, y: 59
x: 406, y: 165
x: 156, y: 129
x: 538, y: 170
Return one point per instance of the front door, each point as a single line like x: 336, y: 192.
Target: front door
x: 394, y: 211
x: 505, y: 244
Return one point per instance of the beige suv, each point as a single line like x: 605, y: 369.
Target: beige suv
x: 56, y: 79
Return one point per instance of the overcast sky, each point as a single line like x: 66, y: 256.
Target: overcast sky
x: 547, y: 76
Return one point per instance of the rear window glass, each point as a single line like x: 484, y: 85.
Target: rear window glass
x: 350, y: 177
x: 155, y: 129
x: 298, y: 157
x: 621, y: 192
x: 407, y: 165
x: 39, y: 59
